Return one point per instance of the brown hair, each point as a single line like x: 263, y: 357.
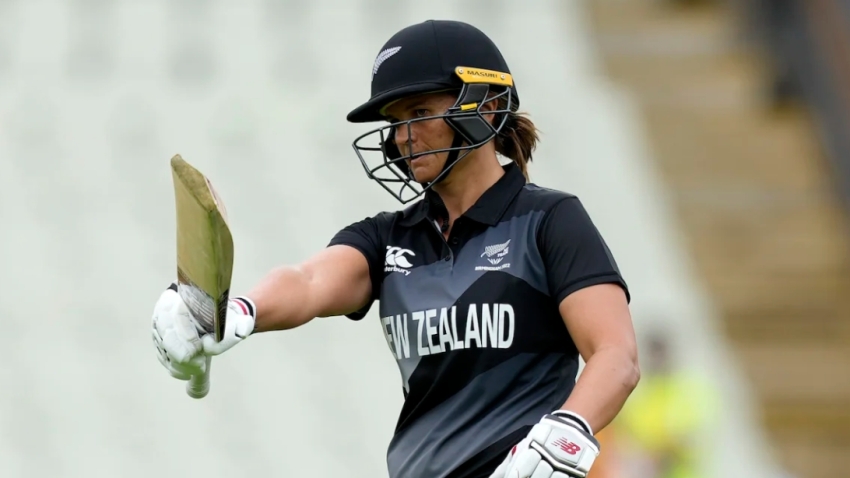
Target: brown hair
x: 518, y: 138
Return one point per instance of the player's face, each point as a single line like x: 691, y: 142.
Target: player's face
x: 424, y: 135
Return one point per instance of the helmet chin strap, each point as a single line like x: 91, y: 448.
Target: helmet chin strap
x: 450, y: 160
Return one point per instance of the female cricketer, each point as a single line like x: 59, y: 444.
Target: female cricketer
x: 489, y: 287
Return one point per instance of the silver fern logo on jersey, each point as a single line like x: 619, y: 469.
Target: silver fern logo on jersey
x: 495, y: 254
x: 382, y: 57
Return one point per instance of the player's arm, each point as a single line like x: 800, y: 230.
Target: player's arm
x: 593, y: 302
x: 599, y: 321
x: 335, y: 281
x: 342, y: 279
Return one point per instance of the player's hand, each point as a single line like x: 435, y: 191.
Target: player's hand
x: 183, y: 343
x: 238, y: 326
x: 177, y: 336
x: 559, y: 446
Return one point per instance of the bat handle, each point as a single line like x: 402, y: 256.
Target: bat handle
x: 199, y: 385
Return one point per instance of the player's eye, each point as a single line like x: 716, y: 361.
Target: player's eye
x: 420, y: 112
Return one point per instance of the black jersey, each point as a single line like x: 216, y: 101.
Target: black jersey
x: 473, y: 321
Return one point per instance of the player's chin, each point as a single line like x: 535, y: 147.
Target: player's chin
x: 425, y: 168
x: 424, y: 175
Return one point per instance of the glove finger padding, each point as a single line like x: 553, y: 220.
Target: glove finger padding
x: 525, y: 465
x: 175, y: 337
x: 542, y: 469
x: 175, y: 369
x: 511, y: 459
x: 176, y: 327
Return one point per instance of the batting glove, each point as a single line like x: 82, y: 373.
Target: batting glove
x: 177, y: 336
x: 183, y: 343
x: 239, y: 325
x: 560, y: 445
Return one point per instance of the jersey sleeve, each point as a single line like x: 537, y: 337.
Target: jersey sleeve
x: 369, y: 237
x: 574, y: 253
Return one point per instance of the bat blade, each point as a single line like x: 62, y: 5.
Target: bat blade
x: 204, y: 255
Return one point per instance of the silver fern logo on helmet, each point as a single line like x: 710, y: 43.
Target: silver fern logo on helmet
x: 382, y: 57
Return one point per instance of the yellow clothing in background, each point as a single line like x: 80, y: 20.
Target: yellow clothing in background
x: 664, y: 418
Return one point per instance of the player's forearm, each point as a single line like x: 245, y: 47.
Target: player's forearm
x: 608, y: 378
x: 282, y: 299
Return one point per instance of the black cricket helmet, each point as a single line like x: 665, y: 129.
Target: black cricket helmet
x: 428, y: 57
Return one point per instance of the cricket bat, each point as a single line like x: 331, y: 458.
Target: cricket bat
x: 204, y: 256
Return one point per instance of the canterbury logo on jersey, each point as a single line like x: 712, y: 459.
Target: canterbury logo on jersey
x: 396, y: 260
x: 435, y: 331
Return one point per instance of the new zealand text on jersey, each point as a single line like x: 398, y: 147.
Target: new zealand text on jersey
x: 435, y: 331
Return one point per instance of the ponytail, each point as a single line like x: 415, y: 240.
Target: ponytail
x: 517, y: 139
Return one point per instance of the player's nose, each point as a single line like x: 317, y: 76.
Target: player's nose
x: 404, y: 136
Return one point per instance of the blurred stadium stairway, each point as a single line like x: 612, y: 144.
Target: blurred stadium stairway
x: 757, y: 206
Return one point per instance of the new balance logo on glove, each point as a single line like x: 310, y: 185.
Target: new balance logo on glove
x: 561, y: 445
x: 566, y: 445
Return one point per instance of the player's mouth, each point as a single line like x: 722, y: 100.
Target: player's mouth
x: 419, y: 159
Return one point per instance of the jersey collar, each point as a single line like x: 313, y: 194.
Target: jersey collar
x: 489, y: 208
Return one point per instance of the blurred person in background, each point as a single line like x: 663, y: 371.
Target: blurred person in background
x: 490, y: 287
x: 659, y: 430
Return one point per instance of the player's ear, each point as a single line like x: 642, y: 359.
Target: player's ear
x: 491, y: 104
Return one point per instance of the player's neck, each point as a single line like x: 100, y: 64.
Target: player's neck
x: 469, y: 179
